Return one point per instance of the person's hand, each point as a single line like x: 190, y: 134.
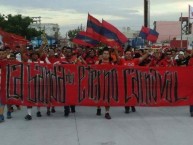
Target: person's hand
x: 80, y: 58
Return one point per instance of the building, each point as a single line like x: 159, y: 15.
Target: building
x: 134, y: 40
x: 129, y: 33
x: 168, y: 30
x: 51, y: 29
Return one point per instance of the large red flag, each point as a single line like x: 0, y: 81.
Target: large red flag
x: 85, y: 39
x: 12, y: 40
x: 94, y: 27
x: 120, y: 36
x: 152, y: 36
x: 144, y: 32
x: 6, y: 39
x: 110, y: 37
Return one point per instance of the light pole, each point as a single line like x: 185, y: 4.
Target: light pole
x: 146, y: 13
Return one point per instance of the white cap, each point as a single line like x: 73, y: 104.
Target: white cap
x: 181, y: 52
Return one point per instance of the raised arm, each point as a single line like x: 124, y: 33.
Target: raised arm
x: 142, y: 58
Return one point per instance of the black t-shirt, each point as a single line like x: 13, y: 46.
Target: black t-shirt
x: 184, y: 61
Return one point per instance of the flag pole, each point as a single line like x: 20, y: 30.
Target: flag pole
x: 181, y: 31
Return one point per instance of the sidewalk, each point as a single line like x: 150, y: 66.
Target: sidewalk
x: 147, y: 126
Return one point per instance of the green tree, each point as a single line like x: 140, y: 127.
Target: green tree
x: 2, y: 21
x: 72, y: 33
x: 19, y: 25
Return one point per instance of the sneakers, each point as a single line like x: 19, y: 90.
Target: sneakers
x: 98, y: 112
x: 72, y: 109
x: 66, y: 111
x: 127, y: 110
x: 133, y: 108
x: 1, y: 118
x: 48, y: 113
x: 9, y: 115
x: 107, y: 116
x: 53, y: 110
x: 28, y: 117
x: 39, y: 114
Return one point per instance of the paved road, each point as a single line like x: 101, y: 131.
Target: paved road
x: 148, y: 126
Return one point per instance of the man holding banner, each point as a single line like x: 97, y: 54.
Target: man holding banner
x: 34, y: 58
x: 183, y: 61
x: 69, y: 59
x: 106, y: 60
x: 131, y: 62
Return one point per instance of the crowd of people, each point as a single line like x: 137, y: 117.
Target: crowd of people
x: 89, y: 56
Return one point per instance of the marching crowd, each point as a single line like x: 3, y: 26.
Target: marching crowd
x: 88, y: 56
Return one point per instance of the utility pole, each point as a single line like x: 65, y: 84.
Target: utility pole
x: 147, y: 13
x: 181, y: 32
x: 146, y: 16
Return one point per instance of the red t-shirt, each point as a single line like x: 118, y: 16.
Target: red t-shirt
x: 133, y: 62
x: 68, y: 61
x: 90, y: 60
x: 53, y: 59
x: 166, y: 63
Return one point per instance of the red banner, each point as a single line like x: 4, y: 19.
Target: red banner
x: 59, y: 85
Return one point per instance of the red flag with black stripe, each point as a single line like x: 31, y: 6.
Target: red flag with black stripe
x: 85, y: 39
x: 152, y: 36
x: 94, y: 27
x: 112, y: 31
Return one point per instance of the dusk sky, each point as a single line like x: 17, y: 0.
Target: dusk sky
x: 70, y: 14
